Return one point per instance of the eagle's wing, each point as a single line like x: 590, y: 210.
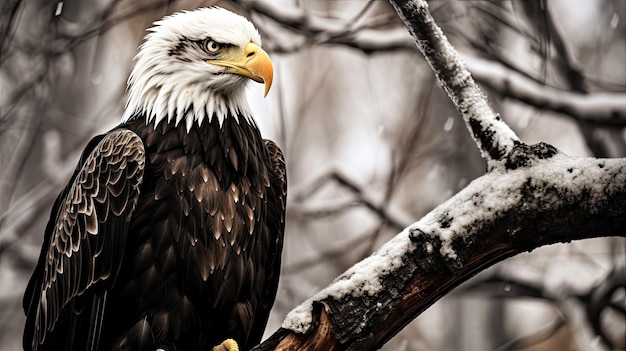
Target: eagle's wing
x: 277, y: 201
x: 84, y: 245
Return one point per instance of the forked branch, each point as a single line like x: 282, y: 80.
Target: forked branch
x: 531, y: 196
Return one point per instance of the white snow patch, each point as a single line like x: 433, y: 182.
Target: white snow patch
x: 361, y: 279
x: 494, y: 193
x: 449, y: 124
x: 447, y: 250
x: 429, y: 248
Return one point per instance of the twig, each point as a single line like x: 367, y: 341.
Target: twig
x: 362, y: 198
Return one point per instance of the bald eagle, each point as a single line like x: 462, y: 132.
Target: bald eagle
x: 169, y: 234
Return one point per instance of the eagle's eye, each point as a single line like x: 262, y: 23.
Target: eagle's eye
x: 211, y: 46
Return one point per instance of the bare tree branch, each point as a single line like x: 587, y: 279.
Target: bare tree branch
x: 600, y: 300
x: 601, y: 108
x: 598, y: 108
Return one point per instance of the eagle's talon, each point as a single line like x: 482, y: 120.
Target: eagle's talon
x: 227, y: 345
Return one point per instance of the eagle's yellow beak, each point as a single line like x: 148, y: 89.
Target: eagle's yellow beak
x: 253, y: 62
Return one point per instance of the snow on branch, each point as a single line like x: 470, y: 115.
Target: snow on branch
x: 532, y: 196
x: 500, y: 214
x: 495, y: 138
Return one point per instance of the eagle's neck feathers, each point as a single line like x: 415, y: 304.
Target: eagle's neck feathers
x: 185, y: 101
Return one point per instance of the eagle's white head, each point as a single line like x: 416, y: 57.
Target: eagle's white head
x: 194, y: 65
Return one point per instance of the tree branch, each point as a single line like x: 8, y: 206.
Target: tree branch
x: 597, y: 108
x: 363, y: 198
x: 532, y: 196
x: 499, y: 215
x: 601, y: 108
x: 494, y: 137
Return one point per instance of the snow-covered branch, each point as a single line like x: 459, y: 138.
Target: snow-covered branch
x: 532, y: 196
x: 495, y: 138
x: 501, y: 214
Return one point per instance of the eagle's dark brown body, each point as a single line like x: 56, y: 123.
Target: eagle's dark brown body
x: 187, y: 243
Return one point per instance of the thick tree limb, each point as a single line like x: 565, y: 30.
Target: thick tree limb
x: 532, y: 196
x: 501, y: 214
